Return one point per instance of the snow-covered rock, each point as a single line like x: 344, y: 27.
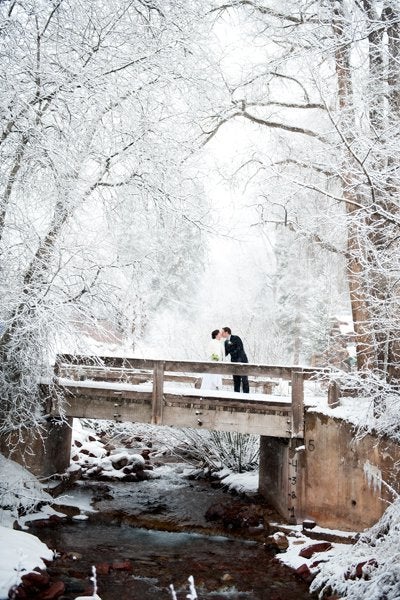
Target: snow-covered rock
x: 20, y: 553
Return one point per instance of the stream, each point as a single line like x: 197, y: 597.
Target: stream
x: 143, y: 536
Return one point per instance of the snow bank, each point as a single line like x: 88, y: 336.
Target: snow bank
x: 242, y: 483
x: 369, y: 569
x: 297, y: 542
x: 354, y: 410
x: 20, y: 491
x: 20, y: 553
x: 90, y: 454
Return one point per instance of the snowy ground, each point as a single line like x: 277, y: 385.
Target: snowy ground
x: 20, y: 553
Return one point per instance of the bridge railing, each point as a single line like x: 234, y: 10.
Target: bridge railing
x: 156, y: 370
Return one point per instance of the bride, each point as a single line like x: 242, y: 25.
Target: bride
x: 213, y: 381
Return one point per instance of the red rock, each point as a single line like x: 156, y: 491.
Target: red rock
x: 137, y: 468
x: 55, y: 520
x: 304, y: 573
x: 39, y: 523
x: 358, y: 571
x: 55, y: 590
x: 17, y: 592
x: 35, y: 579
x: 316, y: 563
x: 78, y: 444
x: 310, y: 550
x: 47, y: 562
x: 119, y: 464
x: 145, y: 453
x: 122, y: 565
x: 215, y: 512
x: 77, y: 574
x: 103, y: 568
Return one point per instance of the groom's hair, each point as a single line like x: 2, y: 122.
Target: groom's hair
x: 214, y: 333
x: 228, y: 330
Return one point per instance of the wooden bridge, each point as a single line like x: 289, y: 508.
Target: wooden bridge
x: 164, y: 392
x: 303, y: 454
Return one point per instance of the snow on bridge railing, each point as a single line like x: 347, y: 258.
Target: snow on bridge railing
x: 295, y: 374
x: 187, y: 366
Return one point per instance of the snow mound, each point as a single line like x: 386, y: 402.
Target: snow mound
x: 99, y: 460
x: 369, y: 569
x: 242, y: 483
x: 20, y: 553
x: 20, y: 491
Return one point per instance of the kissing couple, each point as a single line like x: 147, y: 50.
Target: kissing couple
x: 224, y: 344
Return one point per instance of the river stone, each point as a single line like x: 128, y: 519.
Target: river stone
x: 17, y: 592
x: 36, y: 579
x: 131, y: 477
x: 75, y: 586
x: 304, y: 573
x: 103, y: 568
x: 66, y: 509
x: 141, y: 475
x: 55, y: 590
x: 120, y: 462
x: 122, y: 565
x: 276, y: 543
x: 235, y: 515
x: 314, y: 548
x: 359, y: 572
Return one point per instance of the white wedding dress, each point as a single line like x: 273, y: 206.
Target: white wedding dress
x: 215, y: 353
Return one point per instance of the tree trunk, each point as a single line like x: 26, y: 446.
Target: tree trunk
x: 366, y: 358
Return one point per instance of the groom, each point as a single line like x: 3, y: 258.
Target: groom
x: 234, y: 347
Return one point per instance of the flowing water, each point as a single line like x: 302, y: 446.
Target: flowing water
x: 151, y: 534
x: 221, y: 567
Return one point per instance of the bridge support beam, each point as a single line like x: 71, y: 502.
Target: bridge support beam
x: 42, y: 454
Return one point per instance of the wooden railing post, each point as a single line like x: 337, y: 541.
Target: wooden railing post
x: 333, y: 394
x: 57, y: 366
x: 298, y: 404
x: 158, y: 392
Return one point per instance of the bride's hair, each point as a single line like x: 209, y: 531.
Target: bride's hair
x: 214, y: 333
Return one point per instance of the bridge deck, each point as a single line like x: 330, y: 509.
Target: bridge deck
x: 176, y: 404
x: 260, y: 414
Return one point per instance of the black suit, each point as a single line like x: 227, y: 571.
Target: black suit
x: 234, y: 348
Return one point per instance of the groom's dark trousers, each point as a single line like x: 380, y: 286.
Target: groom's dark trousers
x: 234, y: 347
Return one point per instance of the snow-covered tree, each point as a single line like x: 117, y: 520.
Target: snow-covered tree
x: 322, y: 84
x: 100, y: 105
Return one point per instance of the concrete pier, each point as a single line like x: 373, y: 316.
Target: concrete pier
x: 330, y: 477
x: 43, y: 452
